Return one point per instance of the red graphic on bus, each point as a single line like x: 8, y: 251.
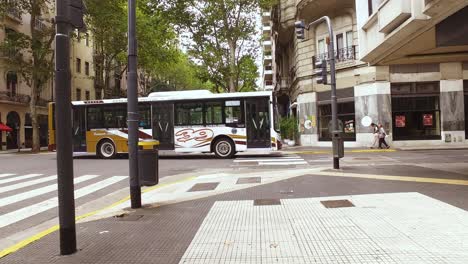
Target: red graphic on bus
x: 189, y: 134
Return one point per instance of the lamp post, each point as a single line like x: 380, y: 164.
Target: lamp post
x: 337, y: 141
x: 132, y: 107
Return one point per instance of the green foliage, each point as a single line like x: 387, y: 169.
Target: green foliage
x: 288, y: 127
x: 224, y: 39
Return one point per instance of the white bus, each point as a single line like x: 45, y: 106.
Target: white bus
x: 184, y: 121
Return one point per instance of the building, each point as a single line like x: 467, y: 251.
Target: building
x: 417, y: 82
x: 397, y: 64
x: 268, y: 50
x: 15, y: 93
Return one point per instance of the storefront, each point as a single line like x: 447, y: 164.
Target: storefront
x: 346, y: 114
x: 416, y: 111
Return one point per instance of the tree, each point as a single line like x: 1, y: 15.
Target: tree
x: 32, y: 54
x: 107, y: 21
x: 224, y: 38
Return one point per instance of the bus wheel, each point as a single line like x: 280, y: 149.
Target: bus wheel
x: 224, y: 148
x: 106, y: 149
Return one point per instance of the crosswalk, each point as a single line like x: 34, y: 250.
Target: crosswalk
x: 289, y: 160
x: 22, y: 197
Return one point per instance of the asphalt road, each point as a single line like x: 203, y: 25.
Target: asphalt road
x: 28, y: 183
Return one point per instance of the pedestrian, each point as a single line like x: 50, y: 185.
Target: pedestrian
x: 382, y: 134
x: 375, y: 133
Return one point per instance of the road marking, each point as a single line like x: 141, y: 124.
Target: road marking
x: 40, y: 191
x: 346, y: 151
x: 6, y: 174
x: 282, y: 163
x: 54, y: 228
x: 19, y: 178
x: 26, y: 184
x: 267, y: 160
x: 394, y: 178
x: 26, y: 212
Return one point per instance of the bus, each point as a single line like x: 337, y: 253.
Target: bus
x: 195, y: 121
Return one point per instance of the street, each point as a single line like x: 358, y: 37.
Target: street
x: 28, y: 183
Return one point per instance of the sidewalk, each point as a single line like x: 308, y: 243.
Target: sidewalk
x: 22, y: 151
x: 294, y: 216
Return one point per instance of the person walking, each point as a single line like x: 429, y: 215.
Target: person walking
x: 382, y: 134
x: 375, y: 132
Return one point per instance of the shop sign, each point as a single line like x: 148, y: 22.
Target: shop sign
x: 400, y: 121
x: 428, y: 120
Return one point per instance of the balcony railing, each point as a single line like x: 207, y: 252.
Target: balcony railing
x: 341, y: 55
x: 8, y: 52
x: 14, y: 13
x: 14, y: 97
x: 39, y: 24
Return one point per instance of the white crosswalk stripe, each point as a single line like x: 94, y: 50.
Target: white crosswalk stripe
x: 34, y: 209
x: 6, y: 175
x: 271, y: 161
x: 19, y: 178
x: 27, y: 184
x: 40, y: 191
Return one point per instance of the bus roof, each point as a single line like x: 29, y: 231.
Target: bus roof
x: 178, y: 96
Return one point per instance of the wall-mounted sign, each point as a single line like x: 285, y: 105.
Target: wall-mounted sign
x: 428, y: 120
x: 349, y: 126
x: 366, y: 121
x: 400, y: 121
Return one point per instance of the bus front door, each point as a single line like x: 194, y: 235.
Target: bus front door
x: 163, y: 125
x: 79, y: 130
x: 258, y: 123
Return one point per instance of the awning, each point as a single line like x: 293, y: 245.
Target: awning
x: 5, y: 128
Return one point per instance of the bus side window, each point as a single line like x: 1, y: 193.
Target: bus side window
x: 145, y: 116
x: 233, y: 113
x: 94, y: 117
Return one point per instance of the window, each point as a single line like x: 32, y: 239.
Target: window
x: 416, y: 111
x: 114, y: 116
x: 87, y: 68
x: 214, y: 113
x: 94, y: 117
x: 12, y: 83
x: 346, y: 121
x: 465, y: 88
x: 87, y: 95
x: 189, y: 114
x: 78, y: 36
x: 87, y: 39
x: 349, y: 39
x: 233, y: 112
x: 145, y: 116
x: 78, y: 65
x: 78, y: 94
x: 373, y: 6
x: 98, y: 94
x: 339, y: 42
x: 321, y: 46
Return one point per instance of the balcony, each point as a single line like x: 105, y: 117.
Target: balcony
x: 40, y: 25
x: 14, y: 14
x: 266, y: 16
x: 284, y: 83
x: 266, y: 28
x: 14, y: 97
x: 268, y: 85
x: 392, y: 14
x: 341, y: 55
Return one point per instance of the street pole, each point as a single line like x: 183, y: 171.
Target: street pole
x: 132, y: 98
x: 66, y: 196
x: 336, y: 134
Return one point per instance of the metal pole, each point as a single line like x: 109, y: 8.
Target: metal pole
x: 331, y: 55
x: 132, y: 97
x: 66, y: 196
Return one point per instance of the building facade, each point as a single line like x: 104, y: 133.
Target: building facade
x: 415, y: 90
x: 15, y: 93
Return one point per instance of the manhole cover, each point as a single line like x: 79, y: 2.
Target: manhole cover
x: 204, y: 187
x: 249, y: 180
x: 260, y: 202
x: 337, y: 204
x: 129, y: 217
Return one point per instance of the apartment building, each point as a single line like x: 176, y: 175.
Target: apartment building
x: 268, y: 51
x: 401, y: 63
x: 417, y: 83
x: 15, y: 93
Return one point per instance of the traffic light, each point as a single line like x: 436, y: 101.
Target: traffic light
x: 76, y: 12
x: 321, y: 70
x: 299, y: 25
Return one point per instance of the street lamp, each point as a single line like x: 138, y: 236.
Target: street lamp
x: 337, y: 141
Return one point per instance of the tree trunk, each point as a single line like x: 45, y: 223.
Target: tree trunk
x: 232, y: 66
x: 36, y: 144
